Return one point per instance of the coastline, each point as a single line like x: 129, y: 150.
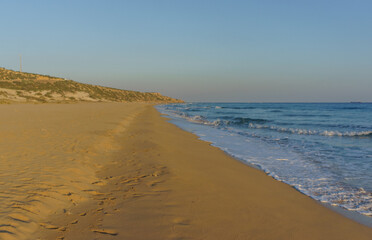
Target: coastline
x: 287, y: 149
x: 353, y: 215
x: 157, y: 181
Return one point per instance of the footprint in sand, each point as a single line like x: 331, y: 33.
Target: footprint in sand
x: 98, y: 183
x: 74, y: 222
x: 181, y: 221
x: 48, y: 226
x: 62, y: 229
x: 105, y: 231
x: 153, y: 183
x: 157, y: 173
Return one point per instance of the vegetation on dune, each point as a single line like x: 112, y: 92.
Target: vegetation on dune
x: 10, y: 75
x: 42, y: 88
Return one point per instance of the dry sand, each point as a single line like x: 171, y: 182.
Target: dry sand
x: 120, y: 171
x: 49, y: 155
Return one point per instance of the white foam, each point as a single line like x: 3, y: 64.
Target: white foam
x: 328, y: 133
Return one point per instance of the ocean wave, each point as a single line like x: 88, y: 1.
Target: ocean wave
x: 227, y: 113
x: 240, y: 107
x: 244, y: 120
x: 225, y: 120
x: 238, y: 121
x: 196, y: 119
x: 257, y: 123
x: 352, y: 108
x: 328, y: 133
x: 194, y: 109
x: 327, y: 125
x: 348, y: 134
x: 306, y: 115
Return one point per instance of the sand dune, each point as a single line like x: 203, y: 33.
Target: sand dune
x: 21, y: 87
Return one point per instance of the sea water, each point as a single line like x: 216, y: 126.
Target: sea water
x: 323, y: 150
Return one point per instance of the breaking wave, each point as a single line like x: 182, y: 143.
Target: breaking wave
x: 329, y: 133
x: 257, y: 123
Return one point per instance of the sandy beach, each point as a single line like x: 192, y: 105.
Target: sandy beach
x: 121, y: 171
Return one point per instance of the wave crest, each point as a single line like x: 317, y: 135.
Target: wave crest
x: 328, y: 133
x: 257, y: 123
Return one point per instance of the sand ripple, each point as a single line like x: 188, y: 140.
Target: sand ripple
x: 49, y: 155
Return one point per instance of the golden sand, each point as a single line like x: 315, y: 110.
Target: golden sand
x: 121, y: 171
x: 49, y: 155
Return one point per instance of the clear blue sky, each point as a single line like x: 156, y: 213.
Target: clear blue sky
x: 198, y: 50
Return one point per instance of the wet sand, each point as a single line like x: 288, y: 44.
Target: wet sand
x: 121, y: 171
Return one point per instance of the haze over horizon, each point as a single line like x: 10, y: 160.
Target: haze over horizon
x: 261, y: 51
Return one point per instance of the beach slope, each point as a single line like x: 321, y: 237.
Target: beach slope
x: 165, y: 183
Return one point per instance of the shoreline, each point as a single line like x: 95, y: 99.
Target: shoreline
x: 154, y: 180
x: 354, y: 216
x: 229, y: 142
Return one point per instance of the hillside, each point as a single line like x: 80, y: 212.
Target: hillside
x: 29, y: 87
